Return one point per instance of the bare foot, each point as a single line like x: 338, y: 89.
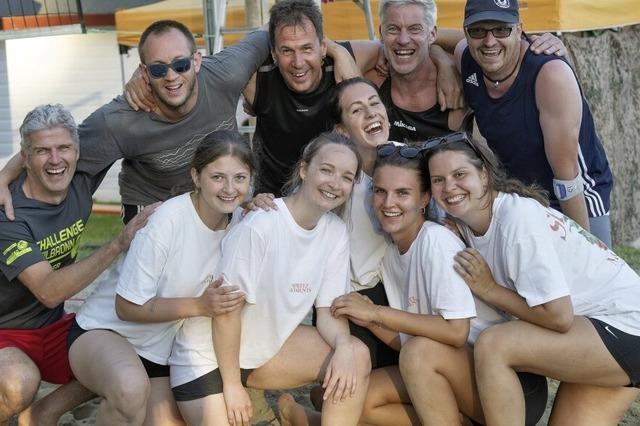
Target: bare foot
x: 291, y: 413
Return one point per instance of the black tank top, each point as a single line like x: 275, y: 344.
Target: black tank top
x: 287, y: 121
x: 409, y: 126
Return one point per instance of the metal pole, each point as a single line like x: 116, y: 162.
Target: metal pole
x: 83, y: 27
x: 209, y: 18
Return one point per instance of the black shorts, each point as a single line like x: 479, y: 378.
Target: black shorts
x: 208, y: 384
x: 153, y: 370
x: 535, y: 392
x: 382, y: 355
x: 624, y: 347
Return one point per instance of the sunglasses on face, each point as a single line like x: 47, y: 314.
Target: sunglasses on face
x: 498, y: 32
x: 180, y: 66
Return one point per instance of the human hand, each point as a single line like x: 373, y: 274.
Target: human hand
x: 344, y: 66
x: 340, y: 380
x: 6, y: 201
x: 218, y: 299
x: 382, y: 65
x: 139, y: 221
x: 262, y: 201
x: 356, y: 307
x: 474, y: 270
x: 548, y: 44
x: 138, y: 92
x: 239, y: 408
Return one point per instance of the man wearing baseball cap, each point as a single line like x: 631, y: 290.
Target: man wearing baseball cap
x: 531, y: 110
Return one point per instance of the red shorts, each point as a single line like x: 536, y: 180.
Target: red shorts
x: 46, y: 346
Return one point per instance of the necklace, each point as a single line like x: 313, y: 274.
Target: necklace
x: 496, y: 83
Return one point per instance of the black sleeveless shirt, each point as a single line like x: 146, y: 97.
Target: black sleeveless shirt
x: 287, y: 121
x: 409, y: 126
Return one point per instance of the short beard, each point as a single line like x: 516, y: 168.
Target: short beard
x: 178, y: 107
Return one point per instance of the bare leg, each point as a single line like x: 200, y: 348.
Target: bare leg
x: 387, y: 402
x: 19, y: 382
x: 303, y: 359
x: 47, y: 411
x: 581, y: 404
x: 440, y: 380
x: 106, y: 363
x: 161, y: 406
x: 577, y: 356
x: 210, y: 410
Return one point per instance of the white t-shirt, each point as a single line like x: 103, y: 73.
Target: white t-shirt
x: 423, y: 280
x: 543, y: 255
x: 174, y: 255
x: 283, y: 269
x: 367, y: 239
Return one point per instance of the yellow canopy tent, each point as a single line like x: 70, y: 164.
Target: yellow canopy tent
x: 344, y: 20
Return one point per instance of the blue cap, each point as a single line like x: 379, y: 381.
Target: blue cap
x: 491, y: 10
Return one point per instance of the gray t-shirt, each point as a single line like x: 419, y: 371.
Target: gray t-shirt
x: 157, y: 154
x: 40, y: 232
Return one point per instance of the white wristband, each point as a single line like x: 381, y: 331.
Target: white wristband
x: 567, y: 189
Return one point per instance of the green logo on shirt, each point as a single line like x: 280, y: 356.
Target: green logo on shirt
x: 16, y: 249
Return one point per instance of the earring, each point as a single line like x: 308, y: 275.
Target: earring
x: 423, y: 211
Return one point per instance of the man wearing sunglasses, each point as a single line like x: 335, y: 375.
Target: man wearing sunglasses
x: 192, y: 97
x: 532, y: 113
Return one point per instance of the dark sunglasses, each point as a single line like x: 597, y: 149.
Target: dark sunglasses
x: 498, y: 32
x: 180, y: 66
x: 405, y: 151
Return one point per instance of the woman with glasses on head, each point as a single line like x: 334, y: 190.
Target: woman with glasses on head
x: 164, y: 278
x: 578, y: 304
x: 429, y: 304
x: 284, y: 261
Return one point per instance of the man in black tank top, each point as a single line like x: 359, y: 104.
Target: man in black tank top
x: 410, y: 92
x: 290, y: 92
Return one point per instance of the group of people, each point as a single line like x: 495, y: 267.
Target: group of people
x: 414, y: 322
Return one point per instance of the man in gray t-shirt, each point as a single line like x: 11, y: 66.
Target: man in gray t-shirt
x: 194, y: 96
x: 37, y: 265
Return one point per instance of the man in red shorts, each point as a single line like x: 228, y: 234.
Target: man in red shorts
x: 38, y: 271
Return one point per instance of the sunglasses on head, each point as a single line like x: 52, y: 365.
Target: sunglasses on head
x: 433, y: 143
x: 180, y: 66
x: 405, y: 151
x: 498, y: 32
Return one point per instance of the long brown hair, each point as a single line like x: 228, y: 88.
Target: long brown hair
x: 481, y: 157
